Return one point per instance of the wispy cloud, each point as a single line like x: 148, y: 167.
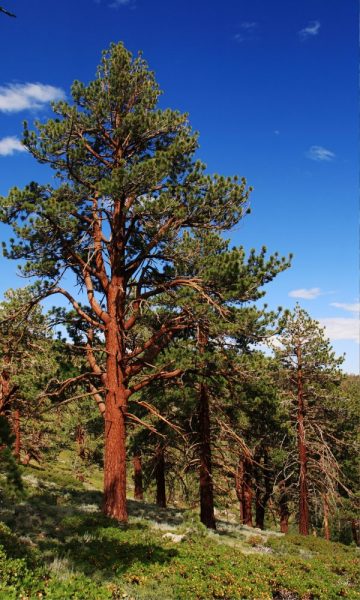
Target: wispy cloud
x: 249, y: 25
x: 342, y: 328
x: 320, y: 154
x: 306, y: 294
x: 118, y: 3
x: 16, y: 97
x: 310, y: 30
x: 9, y: 145
x: 247, y: 31
x: 348, y: 307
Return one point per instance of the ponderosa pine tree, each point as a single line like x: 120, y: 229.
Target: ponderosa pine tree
x: 310, y: 376
x: 27, y: 360
x: 238, y: 279
x: 129, y: 186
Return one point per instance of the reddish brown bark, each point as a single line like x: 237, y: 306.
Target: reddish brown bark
x: 207, y: 514
x: 247, y: 493
x: 17, y: 433
x: 114, y: 503
x: 5, y: 392
x: 239, y: 475
x: 302, y: 450
x: 160, y: 476
x: 80, y: 440
x: 262, y: 496
x: 138, y: 478
x: 326, y: 517
x: 244, y: 490
x: 283, y: 508
x: 355, y: 530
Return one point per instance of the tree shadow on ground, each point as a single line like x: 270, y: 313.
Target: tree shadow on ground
x: 79, y: 533
x: 100, y: 548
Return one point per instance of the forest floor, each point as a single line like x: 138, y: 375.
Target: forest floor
x: 56, y: 544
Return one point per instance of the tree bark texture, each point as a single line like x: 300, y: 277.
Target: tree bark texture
x: 244, y: 490
x: 114, y: 503
x: 138, y: 478
x: 80, y: 440
x: 17, y: 433
x: 302, y: 451
x: 283, y: 508
x: 160, y: 476
x: 239, y: 476
x: 4, y: 390
x: 262, y: 496
x: 207, y: 514
x: 355, y: 530
x: 247, y: 493
x: 326, y: 517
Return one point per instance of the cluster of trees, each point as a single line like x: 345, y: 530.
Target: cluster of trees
x: 163, y: 332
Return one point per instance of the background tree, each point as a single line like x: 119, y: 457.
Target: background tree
x: 310, y: 376
x: 27, y: 363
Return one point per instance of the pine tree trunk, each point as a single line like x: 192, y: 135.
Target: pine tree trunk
x: 355, y: 529
x: 247, y: 493
x: 80, y: 440
x: 114, y: 503
x: 283, y: 508
x: 239, y: 476
x: 326, y: 517
x: 17, y: 433
x: 4, y: 389
x: 207, y: 514
x: 303, y: 484
x: 160, y: 476
x: 138, y: 478
x: 261, y: 499
x: 259, y: 511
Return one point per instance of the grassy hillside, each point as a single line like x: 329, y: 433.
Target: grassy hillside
x: 55, y: 544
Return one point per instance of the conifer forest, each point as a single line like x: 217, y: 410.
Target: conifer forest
x: 163, y: 432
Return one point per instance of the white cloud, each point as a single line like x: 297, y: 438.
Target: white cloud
x: 341, y: 328
x: 27, y: 96
x: 348, y: 307
x: 310, y: 30
x: 306, y: 294
x: 9, y: 145
x: 320, y: 153
x: 249, y: 25
x: 118, y: 3
x: 248, y: 29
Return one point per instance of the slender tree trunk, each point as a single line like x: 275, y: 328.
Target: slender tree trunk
x: 160, y: 476
x: 239, y: 476
x: 247, y: 493
x: 303, y: 484
x: 262, y: 498
x: 114, y: 504
x: 138, y: 478
x: 259, y: 511
x: 4, y: 389
x: 17, y: 433
x: 207, y: 514
x: 355, y: 530
x: 80, y: 440
x: 283, y: 508
x: 326, y: 517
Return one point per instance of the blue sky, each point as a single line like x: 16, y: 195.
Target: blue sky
x: 272, y: 88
